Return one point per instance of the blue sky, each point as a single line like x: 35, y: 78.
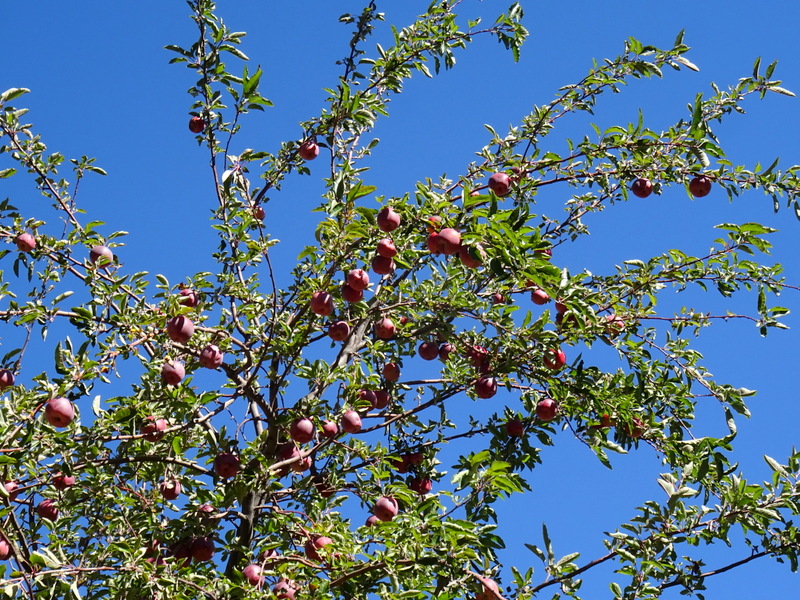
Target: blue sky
x: 101, y: 86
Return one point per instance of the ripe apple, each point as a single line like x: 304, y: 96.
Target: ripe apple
x: 12, y: 487
x: 700, y: 186
x: 308, y: 150
x: 101, y: 256
x: 367, y: 396
x: 350, y: 422
x: 349, y: 294
x: 25, y: 242
x: 391, y: 372
x: 382, y: 399
x: 614, y: 325
x: 5, y: 548
x: 433, y: 243
x: 285, y: 589
x: 561, y: 308
x: 489, y: 590
x: 515, y: 428
x: 330, y: 429
x: 173, y: 372
x: 428, y: 350
x: 402, y: 464
x: 196, y: 124
x: 636, y: 429
x: 182, y: 549
x: 59, y: 412
x: 388, y: 219
x: 382, y: 265
x: 554, y: 359
x: 302, y: 431
x: 226, y: 465
x: 478, y: 357
x: 421, y: 485
x: 498, y: 298
x: 545, y: 253
x: 202, y: 549
x: 471, y: 257
x: 642, y: 188
x: 371, y: 521
x: 253, y: 576
x: 259, y: 213
x: 62, y: 482
x: 170, y: 489
x: 434, y: 223
x: 211, y: 357
x: 386, y: 248
x: 188, y: 298
x: 384, y: 328
x: 180, y: 329
x: 6, y: 379
x: 486, y: 387
x: 500, y: 183
x: 539, y: 296
x: 314, y: 544
x: 448, y: 241
x: 358, y: 279
x: 445, y: 350
x: 339, y: 331
x: 47, y: 509
x: 546, y: 409
x: 322, y: 303
x: 385, y: 508
x: 414, y: 458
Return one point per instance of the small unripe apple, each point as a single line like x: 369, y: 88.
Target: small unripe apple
x: 47, y: 509
x: 202, y: 549
x: 330, y: 429
x: 180, y: 329
x: 211, y: 357
x: 428, y: 350
x: 12, y: 487
x: 700, y: 186
x: 316, y: 543
x: 302, y: 431
x: 339, y: 331
x: 386, y: 248
x: 188, y: 298
x: 554, y: 359
x: 421, y: 485
x: 448, y: 241
x: 173, y: 372
x: 6, y: 379
x: 500, y: 183
x: 351, y: 422
x: 170, y: 489
x: 285, y: 589
x: 349, y: 294
x: 489, y: 590
x: 358, y: 279
x: 546, y: 409
x: 196, y: 124
x: 384, y: 328
x: 385, y: 508
x: 253, y: 576
x: 5, y: 548
x: 259, y: 213
x: 486, y: 387
x: 388, y: 220
x: 382, y: 399
x: 308, y: 150
x: 101, y: 256
x: 226, y: 465
x: 515, y: 428
x: 471, y: 257
x: 382, y: 265
x: 642, y: 188
x: 391, y: 372
x: 62, y: 482
x: 59, y: 412
x: 25, y: 242
x: 539, y: 296
x: 322, y: 303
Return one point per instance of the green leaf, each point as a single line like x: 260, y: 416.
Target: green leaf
x: 12, y: 93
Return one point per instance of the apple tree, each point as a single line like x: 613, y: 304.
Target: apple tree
x: 254, y: 432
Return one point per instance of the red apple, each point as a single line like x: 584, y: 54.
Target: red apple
x: 636, y: 429
x: 539, y: 296
x: 196, y: 124
x: 6, y: 379
x: 367, y: 396
x: 314, y: 544
x: 561, y: 308
x: 211, y: 357
x: 382, y: 399
x: 12, y: 487
x: 259, y: 213
x: 101, y: 256
x: 308, y: 150
x: 402, y: 464
x: 428, y: 350
x: 479, y: 357
x: 382, y: 265
x: 515, y: 428
x: 351, y: 422
x: 170, y: 489
x: 434, y: 223
x: 188, y: 298
x: 180, y: 329
x: 349, y: 294
x: 322, y: 303
x: 371, y: 521
x: 471, y: 257
x: 202, y: 549
x: 546, y: 409
x: 226, y: 465
x: 285, y: 589
x: 433, y: 243
x: 700, y: 186
x: 59, y: 412
x: 391, y: 372
x: 498, y: 298
x: 489, y: 590
x: 545, y: 253
x: 414, y: 458
x: 182, y: 549
x: 385, y: 508
x: 339, y: 331
x: 173, y: 372
x: 448, y: 241
x: 386, y: 248
x: 384, y: 328
x: 554, y: 359
x: 25, y: 242
x: 358, y: 279
x: 253, y: 576
x: 486, y: 387
x: 421, y: 485
x: 302, y: 431
x: 614, y: 325
x: 47, y: 509
x: 388, y: 219
x: 500, y: 183
x: 62, y: 482
x: 642, y: 188
x: 330, y: 429
x: 5, y: 548
x: 445, y: 350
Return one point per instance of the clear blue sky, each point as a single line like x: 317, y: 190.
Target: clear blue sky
x: 101, y: 86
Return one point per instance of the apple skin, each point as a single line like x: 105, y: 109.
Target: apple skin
x: 433, y: 223
x: 546, y: 409
x: 433, y: 243
x: 316, y: 543
x: 448, y: 241
x: 188, y: 297
x: 385, y: 508
x: 61, y: 482
x: 445, y: 350
x: 637, y: 428
x: 339, y: 331
x: 259, y: 213
x: 371, y: 521
x: 382, y: 399
x: 180, y: 329
x: 182, y: 549
x: 642, y: 188
x: 386, y: 248
x: 358, y: 279
x: 12, y: 487
x: 391, y: 372
x: 101, y: 256
x: 59, y: 412
x: 388, y: 220
x: 5, y: 548
x: 385, y: 329
x: 350, y: 422
x: 614, y: 325
x: 421, y: 485
x: 302, y: 431
x: 25, y: 242
x: 6, y: 379
x: 330, y: 429
x: 253, y: 576
x: 367, y: 396
x: 465, y: 254
x: 382, y: 265
x: 196, y: 124
x: 173, y: 372
x: 211, y: 357
x: 428, y: 350
x: 545, y: 253
x: 554, y: 359
x: 170, y: 490
x: 322, y: 303
x: 479, y: 357
x: 700, y: 186
x: 349, y: 294
x: 308, y: 150
x: 500, y: 184
x: 202, y: 549
x: 227, y: 465
x: 285, y: 589
x: 47, y: 509
x: 486, y: 387
x: 539, y: 296
x: 489, y: 590
x: 515, y: 428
